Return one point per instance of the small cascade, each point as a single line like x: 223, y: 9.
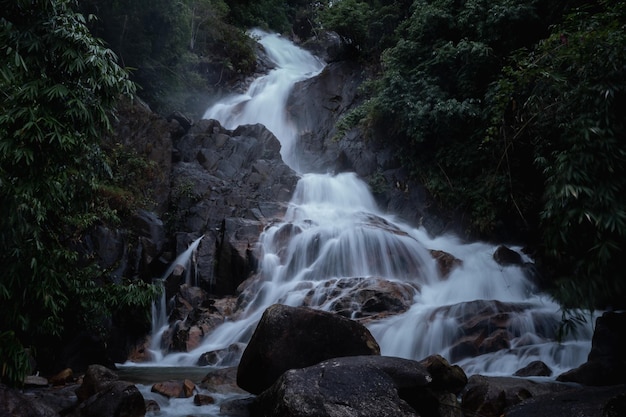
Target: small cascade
x: 159, y: 323
x: 186, y: 260
x: 334, y: 248
x: 159, y: 308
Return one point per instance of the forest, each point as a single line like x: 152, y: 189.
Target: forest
x: 509, y: 112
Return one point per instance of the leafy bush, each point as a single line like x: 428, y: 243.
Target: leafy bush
x: 571, y: 90
x: 520, y: 129
x: 59, y: 85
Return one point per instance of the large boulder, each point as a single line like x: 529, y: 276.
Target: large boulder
x: 491, y: 396
x: 95, y: 379
x: 606, y: 363
x: 117, y: 399
x: 575, y: 401
x: 348, y: 386
x: 102, y: 394
x: 297, y: 337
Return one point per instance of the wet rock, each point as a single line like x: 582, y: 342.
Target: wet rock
x: 102, y: 394
x: 174, y: 389
x: 535, y: 368
x: 237, y: 407
x: 487, y: 326
x: 151, y: 242
x: 439, y: 397
x: 223, y: 380
x: 616, y: 406
x: 315, y: 105
x: 296, y: 337
x: 203, y: 399
x: 445, y: 262
x: 95, y: 379
x: 117, y: 399
x: 152, y: 406
x: 193, y: 317
x: 445, y: 377
x: 226, y: 356
x: 491, y: 396
x: 348, y: 386
x: 506, y: 256
x: 362, y: 298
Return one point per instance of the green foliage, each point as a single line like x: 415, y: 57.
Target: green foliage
x: 508, y: 111
x: 126, y: 185
x: 14, y: 360
x: 349, y: 18
x: 365, y: 26
x: 59, y: 85
x: 572, y: 89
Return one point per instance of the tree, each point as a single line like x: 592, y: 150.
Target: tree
x: 59, y: 85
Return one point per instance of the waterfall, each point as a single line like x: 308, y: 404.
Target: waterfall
x: 265, y: 100
x: 334, y: 241
x: 186, y: 261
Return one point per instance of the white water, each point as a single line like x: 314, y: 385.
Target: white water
x: 333, y: 231
x: 265, y: 100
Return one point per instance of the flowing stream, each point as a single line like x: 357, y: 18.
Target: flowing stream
x: 334, y: 239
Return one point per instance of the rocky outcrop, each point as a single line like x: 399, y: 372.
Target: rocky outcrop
x: 362, y: 299
x: 297, y: 337
x: 192, y: 317
x: 227, y: 185
x: 606, y: 363
x: 316, y: 105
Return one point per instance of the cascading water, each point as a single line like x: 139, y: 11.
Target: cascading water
x: 265, y: 100
x: 185, y: 261
x: 334, y: 241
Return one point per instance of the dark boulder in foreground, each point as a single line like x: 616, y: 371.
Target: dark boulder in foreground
x: 347, y: 386
x: 576, y: 401
x: 102, y: 394
x: 296, y: 337
x: 606, y: 363
x: 491, y: 396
